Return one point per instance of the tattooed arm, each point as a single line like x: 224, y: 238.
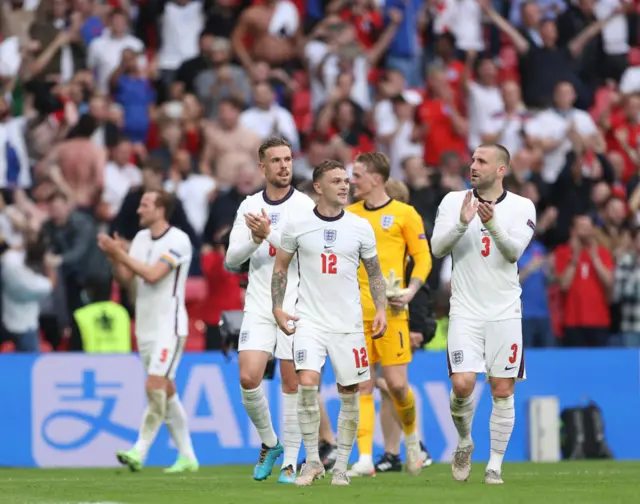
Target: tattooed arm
x: 278, y: 290
x: 377, y: 285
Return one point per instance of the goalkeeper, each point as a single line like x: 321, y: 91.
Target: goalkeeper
x: 399, y: 231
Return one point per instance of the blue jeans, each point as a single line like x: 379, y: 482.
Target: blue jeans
x: 537, y: 332
x: 410, y: 67
x: 631, y: 339
x: 28, y: 341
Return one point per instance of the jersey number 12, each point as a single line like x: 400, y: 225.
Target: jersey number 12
x: 329, y: 264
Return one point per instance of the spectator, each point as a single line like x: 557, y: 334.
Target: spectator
x: 85, y: 273
x: 585, y: 276
x: 626, y: 293
x: 14, y: 161
x: 27, y: 278
x: 119, y: 176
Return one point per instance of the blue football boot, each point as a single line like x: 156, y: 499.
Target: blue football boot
x: 287, y: 475
x: 268, y: 457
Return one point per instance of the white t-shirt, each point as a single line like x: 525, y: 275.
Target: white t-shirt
x: 277, y: 121
x: 160, y: 307
x: 117, y: 182
x: 193, y: 193
x: 511, y: 127
x: 552, y: 125
x: 615, y: 34
x: 181, y: 27
x: 262, y: 256
x: 484, y: 101
x: 329, y: 251
x: 105, y: 54
x: 484, y: 285
x: 467, y: 26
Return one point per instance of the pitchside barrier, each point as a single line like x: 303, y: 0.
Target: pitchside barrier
x: 76, y: 410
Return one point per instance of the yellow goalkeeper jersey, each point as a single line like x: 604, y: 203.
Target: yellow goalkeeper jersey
x: 399, y: 232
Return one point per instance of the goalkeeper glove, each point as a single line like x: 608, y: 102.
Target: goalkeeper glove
x: 394, y: 288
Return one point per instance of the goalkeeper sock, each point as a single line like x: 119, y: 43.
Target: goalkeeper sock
x: 406, y: 411
x: 366, y: 426
x: 503, y: 417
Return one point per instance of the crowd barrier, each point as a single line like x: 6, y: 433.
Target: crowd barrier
x: 75, y: 410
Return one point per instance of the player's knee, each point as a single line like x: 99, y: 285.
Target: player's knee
x: 250, y: 379
x: 502, y: 387
x: 348, y: 389
x: 398, y: 390
x: 366, y: 388
x: 289, y: 377
x: 156, y: 383
x: 308, y: 378
x: 463, y: 384
x: 170, y: 388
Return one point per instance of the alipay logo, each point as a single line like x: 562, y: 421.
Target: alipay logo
x: 84, y: 408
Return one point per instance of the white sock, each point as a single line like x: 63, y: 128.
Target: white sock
x: 291, y: 437
x: 178, y: 427
x: 503, y: 417
x: 309, y: 419
x: 153, y: 417
x: 462, y: 411
x: 347, y: 428
x: 257, y: 408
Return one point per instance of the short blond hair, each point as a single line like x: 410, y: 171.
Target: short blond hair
x: 397, y: 190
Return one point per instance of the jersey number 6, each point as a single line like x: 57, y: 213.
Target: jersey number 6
x: 486, y: 241
x: 329, y: 264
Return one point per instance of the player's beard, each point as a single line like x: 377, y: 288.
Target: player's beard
x: 279, y: 183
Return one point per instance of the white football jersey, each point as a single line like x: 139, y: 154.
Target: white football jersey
x: 262, y: 256
x: 484, y: 285
x: 160, y: 307
x: 329, y: 252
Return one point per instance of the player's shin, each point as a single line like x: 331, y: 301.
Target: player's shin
x: 178, y: 427
x: 291, y: 436
x: 153, y: 417
x: 309, y: 419
x: 366, y: 427
x: 347, y: 429
x: 462, y: 411
x: 503, y: 418
x: 406, y: 411
x: 257, y: 407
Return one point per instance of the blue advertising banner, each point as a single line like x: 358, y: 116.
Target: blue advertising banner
x: 76, y: 410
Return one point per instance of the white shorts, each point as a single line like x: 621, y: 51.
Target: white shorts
x: 347, y: 351
x: 494, y: 348
x: 161, y: 356
x: 260, y: 333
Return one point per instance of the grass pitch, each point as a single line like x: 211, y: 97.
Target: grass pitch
x: 562, y: 483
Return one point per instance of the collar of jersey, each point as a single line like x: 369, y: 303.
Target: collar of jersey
x: 328, y: 219
x: 277, y: 202
x: 379, y: 207
x: 502, y: 196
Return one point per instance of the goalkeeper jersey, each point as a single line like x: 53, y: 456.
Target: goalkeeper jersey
x: 399, y: 231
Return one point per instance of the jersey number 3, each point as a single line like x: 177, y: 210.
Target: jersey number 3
x: 486, y: 242
x: 329, y: 264
x: 272, y: 251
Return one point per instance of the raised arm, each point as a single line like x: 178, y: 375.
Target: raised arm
x: 242, y: 244
x: 449, y: 228
x: 512, y: 242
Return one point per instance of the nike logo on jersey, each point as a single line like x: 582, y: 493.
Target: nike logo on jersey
x: 327, y: 247
x: 483, y: 230
x: 360, y: 373
x: 507, y: 368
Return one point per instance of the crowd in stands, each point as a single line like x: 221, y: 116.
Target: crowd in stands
x: 100, y: 101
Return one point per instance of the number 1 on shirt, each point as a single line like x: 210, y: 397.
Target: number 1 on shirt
x: 486, y: 241
x: 329, y: 264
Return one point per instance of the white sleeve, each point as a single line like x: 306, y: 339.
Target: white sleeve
x: 448, y: 229
x: 179, y: 253
x: 368, y: 242
x: 512, y: 242
x: 136, y: 250
x: 241, y: 244
x: 288, y: 239
x: 629, y: 81
x: 23, y: 284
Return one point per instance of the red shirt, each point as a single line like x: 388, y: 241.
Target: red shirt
x: 368, y: 26
x: 585, y: 303
x: 440, y: 136
x: 632, y: 132
x: 223, y: 288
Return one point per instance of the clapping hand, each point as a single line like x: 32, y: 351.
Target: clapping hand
x: 260, y: 225
x: 485, y: 211
x: 469, y: 208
